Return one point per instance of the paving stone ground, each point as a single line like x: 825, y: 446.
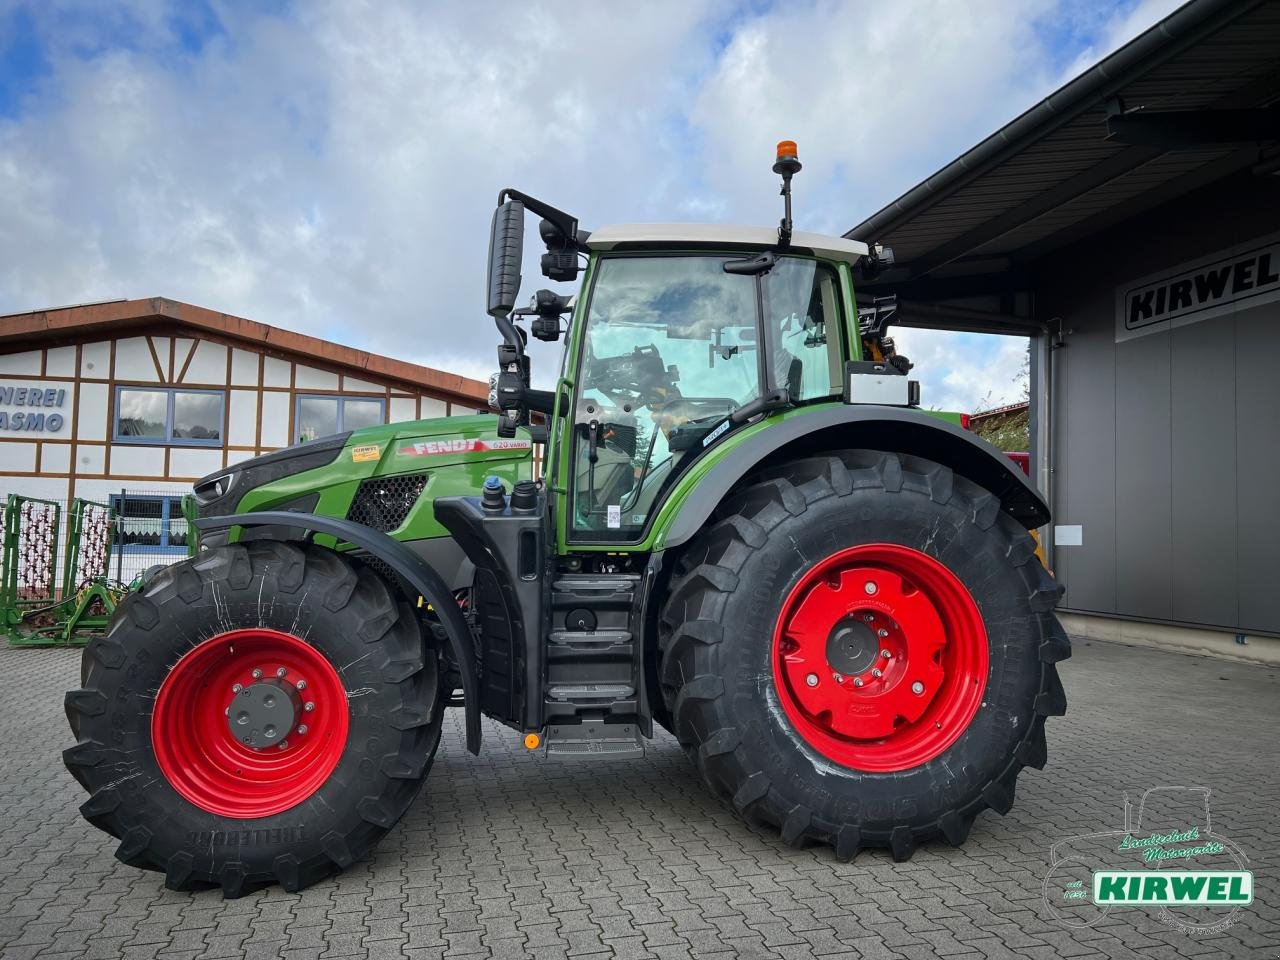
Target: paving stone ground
x: 505, y: 855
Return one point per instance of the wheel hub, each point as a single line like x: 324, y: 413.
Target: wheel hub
x: 262, y: 714
x: 852, y: 647
x: 880, y: 657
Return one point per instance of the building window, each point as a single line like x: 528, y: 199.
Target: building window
x: 168, y: 416
x: 150, y: 523
x: 323, y: 416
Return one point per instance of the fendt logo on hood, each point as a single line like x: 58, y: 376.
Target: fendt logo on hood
x: 435, y: 448
x: 1207, y: 288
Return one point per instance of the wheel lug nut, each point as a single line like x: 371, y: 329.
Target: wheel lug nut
x: 284, y: 744
x: 857, y: 681
x: 236, y: 688
x: 257, y: 673
x: 867, y: 617
x: 302, y: 728
x: 886, y: 654
x: 876, y: 673
x: 882, y: 632
x: 301, y: 684
x: 837, y: 678
x: 811, y: 679
x: 917, y: 688
x: 309, y: 706
x: 281, y: 672
x: 870, y: 587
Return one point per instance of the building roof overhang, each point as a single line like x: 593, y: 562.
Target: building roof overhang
x: 26, y: 331
x: 1189, y: 102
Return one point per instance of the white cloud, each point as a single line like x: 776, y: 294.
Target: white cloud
x: 876, y: 95
x: 332, y: 168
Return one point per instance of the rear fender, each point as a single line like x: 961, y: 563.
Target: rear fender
x: 414, y: 569
x: 861, y: 426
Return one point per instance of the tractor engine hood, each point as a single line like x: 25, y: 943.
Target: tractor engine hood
x: 325, y: 476
x: 219, y: 492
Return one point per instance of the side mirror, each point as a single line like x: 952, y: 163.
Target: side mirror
x: 506, y: 247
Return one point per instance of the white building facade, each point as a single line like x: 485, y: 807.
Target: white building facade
x: 154, y: 394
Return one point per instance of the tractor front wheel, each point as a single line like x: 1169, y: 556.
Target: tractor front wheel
x: 262, y: 713
x: 861, y: 651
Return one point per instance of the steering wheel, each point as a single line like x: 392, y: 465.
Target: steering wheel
x: 638, y: 377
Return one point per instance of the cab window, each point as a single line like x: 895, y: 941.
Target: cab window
x: 803, y: 321
x: 670, y: 350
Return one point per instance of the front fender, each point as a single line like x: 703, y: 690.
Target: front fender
x: 415, y: 571
x: 864, y: 426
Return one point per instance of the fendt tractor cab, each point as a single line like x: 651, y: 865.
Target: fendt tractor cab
x: 746, y: 532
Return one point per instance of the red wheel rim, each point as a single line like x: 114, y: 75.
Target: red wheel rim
x: 253, y: 674
x: 880, y: 658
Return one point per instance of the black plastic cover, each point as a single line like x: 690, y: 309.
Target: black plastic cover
x: 220, y: 492
x: 506, y: 247
x: 508, y: 551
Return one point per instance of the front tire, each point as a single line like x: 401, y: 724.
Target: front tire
x: 262, y: 713
x: 861, y: 651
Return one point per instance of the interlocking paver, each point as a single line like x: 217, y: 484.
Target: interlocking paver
x: 505, y: 855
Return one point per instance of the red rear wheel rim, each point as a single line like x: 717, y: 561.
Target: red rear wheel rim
x: 205, y: 709
x: 880, y: 658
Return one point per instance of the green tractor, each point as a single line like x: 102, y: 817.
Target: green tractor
x: 745, y: 532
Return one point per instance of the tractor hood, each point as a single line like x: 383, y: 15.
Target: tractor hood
x: 399, y: 468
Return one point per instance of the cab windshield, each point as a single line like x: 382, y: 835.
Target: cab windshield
x: 673, y: 346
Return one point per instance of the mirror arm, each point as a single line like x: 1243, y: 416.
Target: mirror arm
x: 565, y: 222
x: 541, y: 401
x: 752, y: 266
x: 508, y: 331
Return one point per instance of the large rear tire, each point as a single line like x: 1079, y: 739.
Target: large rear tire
x: 860, y: 651
x: 262, y: 713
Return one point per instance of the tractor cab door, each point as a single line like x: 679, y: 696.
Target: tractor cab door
x: 672, y: 345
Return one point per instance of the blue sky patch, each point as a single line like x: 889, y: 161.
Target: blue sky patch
x: 22, y: 60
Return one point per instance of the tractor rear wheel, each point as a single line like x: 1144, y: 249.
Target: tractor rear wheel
x: 860, y: 651
x: 262, y: 713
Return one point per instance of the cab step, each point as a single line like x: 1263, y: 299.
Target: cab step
x: 594, y: 741
x: 580, y: 692
x: 593, y: 669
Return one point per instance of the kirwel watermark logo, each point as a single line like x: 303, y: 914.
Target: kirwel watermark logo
x: 1167, y: 860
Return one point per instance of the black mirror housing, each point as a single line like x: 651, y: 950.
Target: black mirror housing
x: 506, y: 248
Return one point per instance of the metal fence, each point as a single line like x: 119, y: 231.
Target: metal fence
x: 66, y: 562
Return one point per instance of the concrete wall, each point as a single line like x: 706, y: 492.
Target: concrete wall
x: 1167, y: 446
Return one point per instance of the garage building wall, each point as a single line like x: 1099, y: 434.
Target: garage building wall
x: 1167, y: 446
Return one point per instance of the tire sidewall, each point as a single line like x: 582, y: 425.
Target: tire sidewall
x: 178, y: 623
x: 767, y: 737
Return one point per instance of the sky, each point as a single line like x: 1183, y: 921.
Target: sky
x: 331, y: 167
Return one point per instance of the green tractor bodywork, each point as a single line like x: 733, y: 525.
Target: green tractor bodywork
x: 453, y: 455
x: 418, y: 483
x: 741, y: 528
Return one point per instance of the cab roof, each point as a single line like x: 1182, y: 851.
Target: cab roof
x: 639, y: 236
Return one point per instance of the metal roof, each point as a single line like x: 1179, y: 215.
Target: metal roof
x: 638, y: 235
x: 1051, y: 176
